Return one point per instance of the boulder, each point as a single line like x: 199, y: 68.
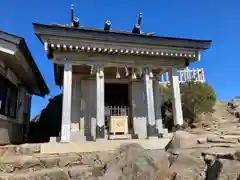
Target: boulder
x: 131, y: 161
x: 220, y: 153
x: 183, y: 139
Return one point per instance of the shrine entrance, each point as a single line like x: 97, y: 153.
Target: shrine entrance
x: 116, y: 94
x: 117, y: 119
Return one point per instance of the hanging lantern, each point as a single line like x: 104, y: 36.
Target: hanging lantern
x: 117, y: 74
x: 126, y: 71
x: 150, y: 74
x: 101, y: 73
x: 139, y: 72
x: 133, y: 74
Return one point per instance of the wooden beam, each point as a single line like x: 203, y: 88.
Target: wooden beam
x: 137, y: 61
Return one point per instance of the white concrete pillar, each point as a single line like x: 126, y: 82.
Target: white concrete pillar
x: 100, y: 104
x: 151, y: 121
x: 76, y: 103
x: 139, y: 109
x: 176, y: 99
x: 158, y: 112
x: 66, y: 107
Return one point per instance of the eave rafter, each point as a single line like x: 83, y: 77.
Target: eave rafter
x: 120, y: 51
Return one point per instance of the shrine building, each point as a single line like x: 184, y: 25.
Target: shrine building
x: 110, y: 78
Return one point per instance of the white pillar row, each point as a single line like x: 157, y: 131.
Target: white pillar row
x: 176, y: 100
x: 151, y: 122
x: 157, y: 104
x: 100, y: 103
x: 66, y: 106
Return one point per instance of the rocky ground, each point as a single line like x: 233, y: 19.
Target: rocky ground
x: 210, y: 150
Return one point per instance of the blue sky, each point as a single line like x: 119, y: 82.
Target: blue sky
x: 217, y: 20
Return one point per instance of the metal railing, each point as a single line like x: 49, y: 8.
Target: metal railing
x: 116, y: 110
x: 185, y: 76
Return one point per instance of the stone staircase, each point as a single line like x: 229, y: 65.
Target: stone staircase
x: 223, y: 129
x: 25, y: 162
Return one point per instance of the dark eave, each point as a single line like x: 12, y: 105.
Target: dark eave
x: 22, y: 46
x: 118, y: 36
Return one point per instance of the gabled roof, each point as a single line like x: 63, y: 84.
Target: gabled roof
x: 22, y: 47
x: 117, y: 36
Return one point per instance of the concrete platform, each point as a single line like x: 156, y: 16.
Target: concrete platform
x: 102, y: 145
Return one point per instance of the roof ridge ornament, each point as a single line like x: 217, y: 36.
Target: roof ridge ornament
x: 74, y: 20
x: 136, y: 28
x: 107, y: 26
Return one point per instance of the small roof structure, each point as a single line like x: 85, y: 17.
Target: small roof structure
x: 16, y: 55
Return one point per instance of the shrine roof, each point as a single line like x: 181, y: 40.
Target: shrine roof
x: 22, y: 47
x: 67, y: 30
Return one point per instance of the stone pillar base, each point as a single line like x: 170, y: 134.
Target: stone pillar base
x: 54, y: 139
x: 100, y: 132
x: 152, y: 130
x: 160, y: 135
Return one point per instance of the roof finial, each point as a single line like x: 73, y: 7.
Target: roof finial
x: 107, y: 26
x: 136, y: 28
x: 72, y: 12
x: 140, y: 19
x: 75, y: 20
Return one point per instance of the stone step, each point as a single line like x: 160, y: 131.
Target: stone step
x: 27, y: 163
x: 231, y: 132
x: 56, y: 173
x: 235, y: 137
x: 213, y: 139
x: 26, y: 149
x: 222, y: 153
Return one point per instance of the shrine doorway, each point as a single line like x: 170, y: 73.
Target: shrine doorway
x: 117, y: 106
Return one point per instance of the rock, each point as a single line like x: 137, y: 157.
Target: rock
x: 187, y: 166
x: 220, y: 140
x: 220, y: 153
x: 29, y: 149
x: 222, y: 145
x: 167, y: 175
x: 50, y: 161
x: 69, y: 160
x: 131, y: 161
x: 213, y: 170
x: 208, y: 129
x: 183, y: 139
x: 20, y: 163
x: 82, y: 171
x: 237, y: 114
x: 46, y: 174
x: 201, y: 141
x: 194, y: 125
x: 233, y: 132
x: 237, y: 155
x: 208, y: 159
x: 8, y: 150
